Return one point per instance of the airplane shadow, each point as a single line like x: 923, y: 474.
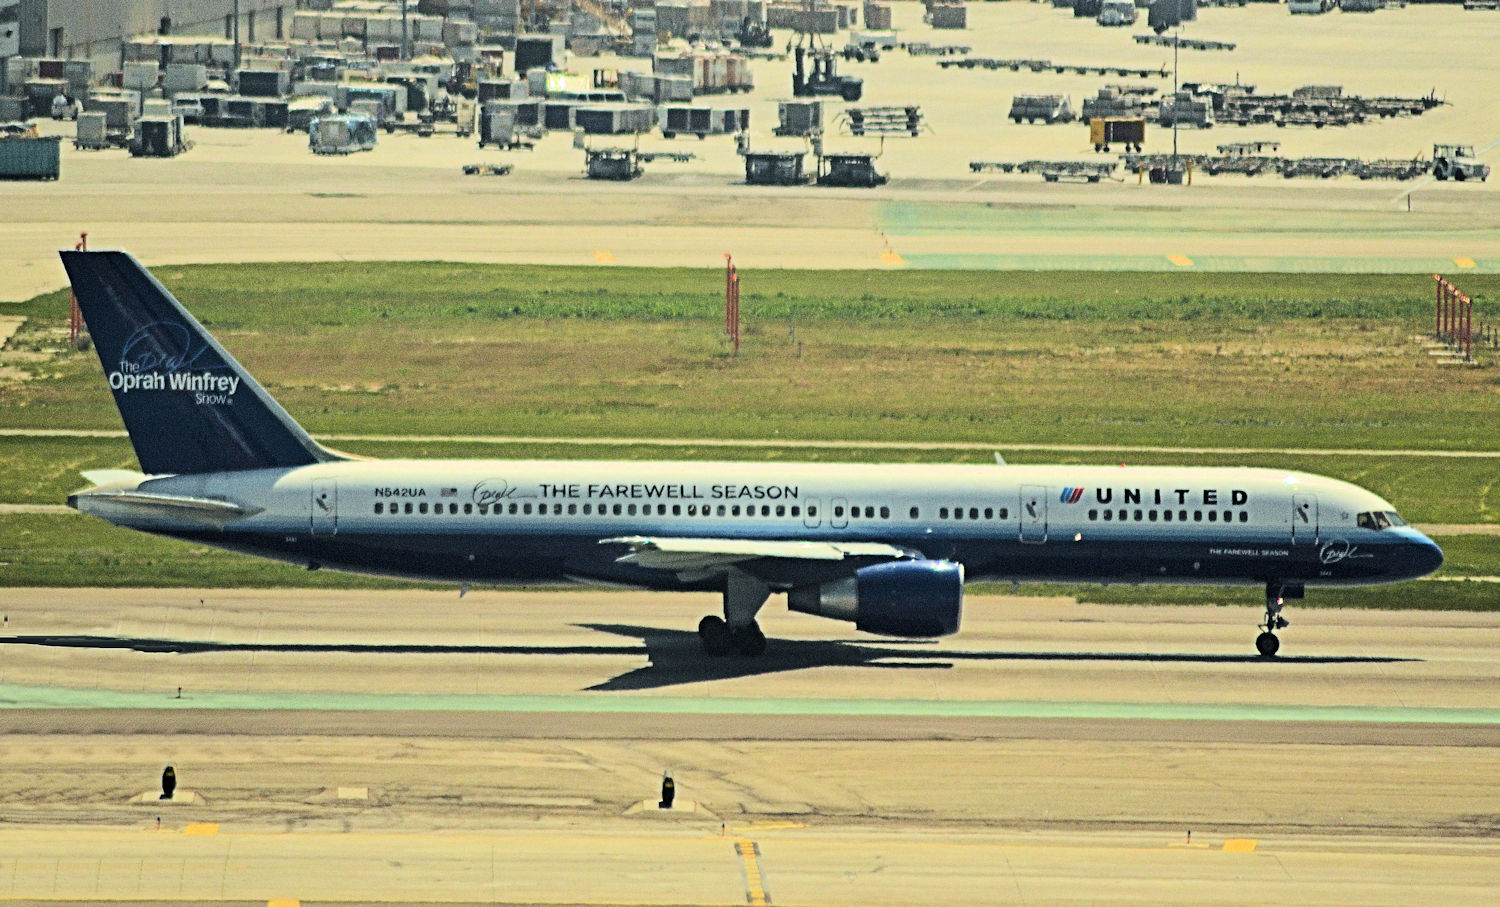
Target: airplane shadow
x: 676, y: 657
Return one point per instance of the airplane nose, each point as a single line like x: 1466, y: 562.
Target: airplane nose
x: 1423, y: 556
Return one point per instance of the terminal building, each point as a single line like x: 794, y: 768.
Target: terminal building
x: 95, y: 30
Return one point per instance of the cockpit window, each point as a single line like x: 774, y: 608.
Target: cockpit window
x: 1379, y: 519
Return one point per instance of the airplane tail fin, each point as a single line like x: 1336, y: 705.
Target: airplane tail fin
x: 188, y: 406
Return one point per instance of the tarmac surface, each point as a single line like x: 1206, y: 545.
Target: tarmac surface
x: 261, y: 195
x: 508, y: 748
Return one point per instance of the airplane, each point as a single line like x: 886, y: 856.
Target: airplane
x: 888, y: 547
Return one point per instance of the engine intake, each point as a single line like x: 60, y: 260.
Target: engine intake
x: 918, y: 598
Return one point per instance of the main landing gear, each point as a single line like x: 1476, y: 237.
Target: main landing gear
x: 736, y: 632
x: 1267, y: 643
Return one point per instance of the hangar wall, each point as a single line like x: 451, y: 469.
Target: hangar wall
x: 94, y: 29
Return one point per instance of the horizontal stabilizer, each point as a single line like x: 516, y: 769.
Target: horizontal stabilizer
x: 167, y: 505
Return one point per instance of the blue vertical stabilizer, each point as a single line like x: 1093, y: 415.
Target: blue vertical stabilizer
x: 188, y: 405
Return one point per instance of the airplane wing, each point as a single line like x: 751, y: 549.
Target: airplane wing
x: 708, y: 555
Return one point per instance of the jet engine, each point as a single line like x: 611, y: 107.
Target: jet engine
x: 918, y: 598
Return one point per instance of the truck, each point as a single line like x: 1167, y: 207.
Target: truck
x: 1457, y: 162
x: 816, y: 73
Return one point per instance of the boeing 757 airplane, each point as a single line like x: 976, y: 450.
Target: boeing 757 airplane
x: 888, y: 547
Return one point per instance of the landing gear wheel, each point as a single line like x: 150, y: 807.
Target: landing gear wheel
x: 715, y: 635
x: 1267, y: 643
x: 749, y: 641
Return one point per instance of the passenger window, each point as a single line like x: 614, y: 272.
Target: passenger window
x: 468, y: 509
x: 1004, y: 513
x: 780, y: 509
x: 1124, y: 515
x: 453, y: 509
x: 885, y: 513
x: 721, y: 510
x: 572, y: 509
x: 735, y: 510
x: 422, y: 507
x: 619, y: 510
x: 765, y: 510
x: 1244, y: 516
x: 513, y: 508
x: 630, y: 510
x: 1197, y: 516
x: 1151, y: 515
x: 1137, y: 516
x: 914, y: 513
x: 692, y: 509
x: 989, y: 513
x: 1093, y: 514
x: 958, y: 513
x: 838, y: 511
x: 1228, y: 517
x: 408, y: 506
x: 379, y: 507
x: 1166, y: 516
x: 1213, y: 516
x: 812, y: 511
x: 588, y: 509
x: 796, y: 511
x: 973, y: 513
x: 1182, y: 516
x: 1108, y: 514
x: 676, y: 510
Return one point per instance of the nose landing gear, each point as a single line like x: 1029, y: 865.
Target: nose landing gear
x: 1267, y: 643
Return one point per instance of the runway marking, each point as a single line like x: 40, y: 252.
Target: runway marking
x: 604, y: 256
x: 1464, y: 262
x: 202, y: 828
x: 283, y: 902
x: 1181, y: 261
x: 24, y: 696
x: 755, y: 883
x: 1239, y: 845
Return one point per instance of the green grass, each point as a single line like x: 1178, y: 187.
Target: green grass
x: 1144, y: 358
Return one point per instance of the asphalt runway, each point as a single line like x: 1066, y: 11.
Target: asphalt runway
x: 417, y: 747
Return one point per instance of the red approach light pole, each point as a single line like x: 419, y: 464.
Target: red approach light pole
x: 732, y: 302
x: 75, y: 317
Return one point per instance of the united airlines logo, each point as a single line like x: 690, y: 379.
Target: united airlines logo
x: 1071, y: 495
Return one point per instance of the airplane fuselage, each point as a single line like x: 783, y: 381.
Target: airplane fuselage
x: 489, y: 521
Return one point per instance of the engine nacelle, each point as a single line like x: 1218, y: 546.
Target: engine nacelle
x: 900, y: 598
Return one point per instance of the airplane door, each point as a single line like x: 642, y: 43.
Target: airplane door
x: 325, y: 506
x: 811, y: 518
x: 839, y: 518
x: 1033, y: 511
x: 1304, y: 519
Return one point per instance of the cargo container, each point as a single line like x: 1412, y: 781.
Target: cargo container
x: 157, y: 137
x: 263, y: 83
x: 615, y: 119
x: 31, y: 158
x: 703, y: 121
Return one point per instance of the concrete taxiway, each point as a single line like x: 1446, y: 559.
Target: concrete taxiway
x: 418, y: 747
